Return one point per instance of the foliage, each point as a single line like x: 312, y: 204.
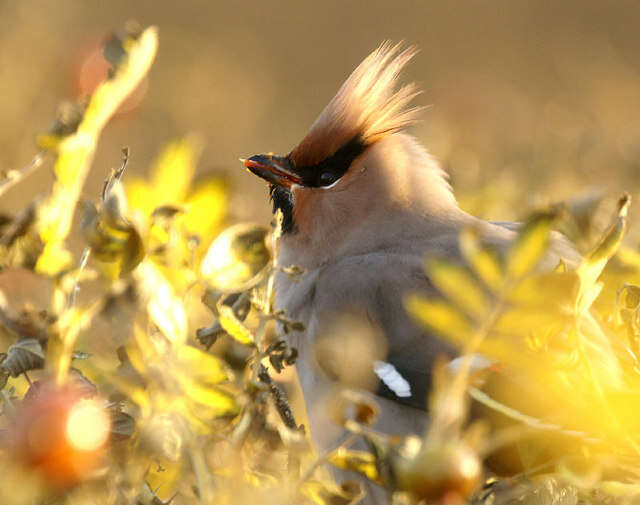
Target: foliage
x: 139, y: 371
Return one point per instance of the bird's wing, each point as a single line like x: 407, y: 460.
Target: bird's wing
x: 375, y: 284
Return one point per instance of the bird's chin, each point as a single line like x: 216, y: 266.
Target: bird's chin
x: 282, y: 200
x: 276, y: 190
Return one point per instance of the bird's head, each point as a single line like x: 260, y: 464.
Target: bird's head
x: 355, y: 164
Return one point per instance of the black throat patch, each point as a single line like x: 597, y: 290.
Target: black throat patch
x: 283, y: 199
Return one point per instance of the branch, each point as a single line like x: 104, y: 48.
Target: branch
x: 12, y: 177
x: 279, y: 398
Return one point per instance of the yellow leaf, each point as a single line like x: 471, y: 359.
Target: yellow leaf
x: 141, y: 196
x: 111, y: 93
x: 198, y: 416
x: 61, y: 345
x: 75, y: 152
x: 440, y: 317
x: 165, y: 309
x: 53, y: 259
x: 139, y: 354
x: 164, y: 477
x: 219, y: 401
x: 327, y: 493
x: 533, y: 241
x: 136, y: 394
x: 482, y: 260
x: 549, y: 290
x: 260, y: 479
x: 202, y: 366
x: 629, y: 256
x: 588, y: 295
x: 233, y: 326
x: 458, y: 286
x: 619, y: 489
x: 173, y: 171
x: 206, y: 208
x: 116, y: 245
x: 359, y: 461
x: 594, y: 262
x: 56, y: 213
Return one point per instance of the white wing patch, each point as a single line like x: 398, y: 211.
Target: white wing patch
x: 388, y: 374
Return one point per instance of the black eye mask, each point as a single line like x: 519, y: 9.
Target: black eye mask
x: 332, y: 168
x: 322, y: 174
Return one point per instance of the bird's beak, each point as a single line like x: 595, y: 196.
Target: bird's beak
x: 273, y: 169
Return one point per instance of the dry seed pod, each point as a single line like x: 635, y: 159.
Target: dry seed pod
x: 122, y: 425
x: 350, y: 405
x: 115, y: 243
x: 431, y: 470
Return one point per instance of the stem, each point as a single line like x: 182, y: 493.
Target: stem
x: 115, y: 174
x: 203, y: 476
x: 84, y: 259
x: 279, y: 398
x: 324, y: 457
x: 13, y: 177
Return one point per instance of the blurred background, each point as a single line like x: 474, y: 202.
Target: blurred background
x: 530, y: 101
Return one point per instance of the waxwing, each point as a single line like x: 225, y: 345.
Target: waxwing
x: 362, y: 204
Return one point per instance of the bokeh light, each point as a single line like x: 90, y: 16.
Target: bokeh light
x: 87, y: 426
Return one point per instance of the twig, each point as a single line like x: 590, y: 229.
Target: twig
x: 115, y: 174
x: 12, y: 177
x: 19, y: 225
x: 346, y: 441
x: 71, y: 300
x: 202, y: 474
x: 279, y: 398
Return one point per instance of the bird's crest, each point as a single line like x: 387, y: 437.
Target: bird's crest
x: 367, y: 106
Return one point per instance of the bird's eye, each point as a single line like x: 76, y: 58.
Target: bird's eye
x: 327, y: 178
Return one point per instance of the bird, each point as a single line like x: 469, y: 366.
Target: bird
x: 362, y: 203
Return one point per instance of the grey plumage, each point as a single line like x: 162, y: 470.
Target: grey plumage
x: 362, y: 237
